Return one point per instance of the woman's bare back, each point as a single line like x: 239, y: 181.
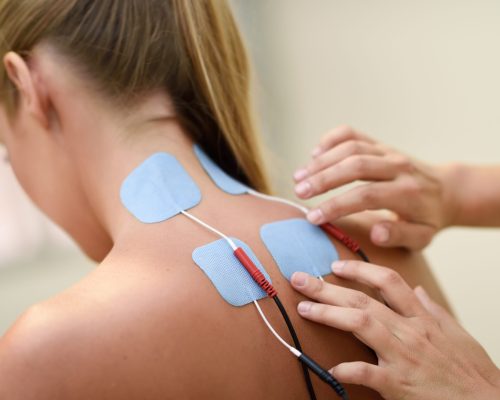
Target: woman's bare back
x: 148, y: 324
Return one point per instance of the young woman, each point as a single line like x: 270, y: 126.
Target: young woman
x: 90, y: 89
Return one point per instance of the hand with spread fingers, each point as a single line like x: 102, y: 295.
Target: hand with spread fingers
x: 423, y: 198
x: 423, y: 353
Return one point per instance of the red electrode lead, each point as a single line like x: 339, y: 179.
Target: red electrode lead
x: 254, y: 272
x: 338, y: 234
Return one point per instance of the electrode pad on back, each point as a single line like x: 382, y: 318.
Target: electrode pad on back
x: 159, y: 189
x: 224, y: 181
x: 297, y: 245
x: 229, y: 277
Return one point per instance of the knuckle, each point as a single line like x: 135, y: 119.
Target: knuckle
x: 316, y: 183
x: 346, y: 128
x: 361, y: 320
x: 361, y: 373
x: 412, y: 187
x: 403, y: 163
x: 328, y: 208
x: 425, y: 237
x: 344, y: 131
x: 317, y: 164
x: 416, y: 341
x: 319, y: 182
x: 428, y: 326
x: 390, y: 278
x: 359, y: 164
x: 353, y: 147
x: 368, y: 195
x: 359, y: 300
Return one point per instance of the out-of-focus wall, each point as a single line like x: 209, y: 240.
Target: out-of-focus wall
x: 422, y: 76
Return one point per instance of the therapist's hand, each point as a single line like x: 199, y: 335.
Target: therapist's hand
x: 416, y: 193
x: 423, y: 353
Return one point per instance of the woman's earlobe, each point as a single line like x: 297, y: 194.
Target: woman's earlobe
x: 22, y: 78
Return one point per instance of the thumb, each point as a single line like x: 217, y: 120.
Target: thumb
x: 402, y: 234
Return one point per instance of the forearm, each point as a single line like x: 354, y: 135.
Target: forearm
x: 473, y: 193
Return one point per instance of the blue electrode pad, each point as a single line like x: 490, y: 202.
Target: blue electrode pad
x: 229, y: 277
x: 224, y: 181
x: 159, y: 189
x: 297, y: 245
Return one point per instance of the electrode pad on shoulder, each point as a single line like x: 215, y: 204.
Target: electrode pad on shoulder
x: 159, y: 189
x: 224, y: 181
x: 297, y: 245
x: 229, y: 277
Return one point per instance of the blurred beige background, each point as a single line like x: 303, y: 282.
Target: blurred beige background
x: 422, y: 76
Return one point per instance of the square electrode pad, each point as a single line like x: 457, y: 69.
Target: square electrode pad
x: 159, y: 189
x: 229, y: 277
x: 223, y: 181
x: 297, y: 245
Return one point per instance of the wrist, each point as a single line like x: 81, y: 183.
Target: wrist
x: 451, y: 180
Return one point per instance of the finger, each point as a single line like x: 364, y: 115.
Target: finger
x: 362, y: 373
x: 439, y: 313
x: 330, y: 294
x: 336, y: 154
x: 410, y: 235
x: 371, y: 196
x: 361, y: 323
x: 363, y: 167
x: 395, y: 291
x: 339, y: 135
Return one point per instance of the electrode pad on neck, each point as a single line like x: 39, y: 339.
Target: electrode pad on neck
x: 229, y: 277
x: 159, y: 189
x: 297, y: 245
x: 224, y: 181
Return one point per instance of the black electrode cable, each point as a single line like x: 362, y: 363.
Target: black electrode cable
x: 296, y: 342
x: 306, y: 362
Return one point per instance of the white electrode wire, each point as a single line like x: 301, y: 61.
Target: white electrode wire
x: 305, y: 210
x: 291, y: 348
x: 211, y: 228
x: 284, y: 201
x: 234, y: 247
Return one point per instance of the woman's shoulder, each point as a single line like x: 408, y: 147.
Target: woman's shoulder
x: 31, y: 353
x: 92, y: 332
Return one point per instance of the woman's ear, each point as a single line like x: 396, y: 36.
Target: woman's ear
x: 29, y: 89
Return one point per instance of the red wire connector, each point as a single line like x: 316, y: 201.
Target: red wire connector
x: 254, y: 272
x: 338, y: 234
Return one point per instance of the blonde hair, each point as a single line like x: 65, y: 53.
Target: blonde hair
x: 190, y: 48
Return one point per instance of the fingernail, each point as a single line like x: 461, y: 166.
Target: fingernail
x: 330, y: 371
x: 316, y: 151
x: 304, y: 307
x: 380, y: 234
x: 300, y: 174
x: 299, y: 279
x: 338, y: 266
x: 315, y: 216
x: 303, y: 188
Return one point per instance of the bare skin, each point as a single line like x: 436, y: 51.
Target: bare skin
x: 437, y: 196
x: 147, y: 323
